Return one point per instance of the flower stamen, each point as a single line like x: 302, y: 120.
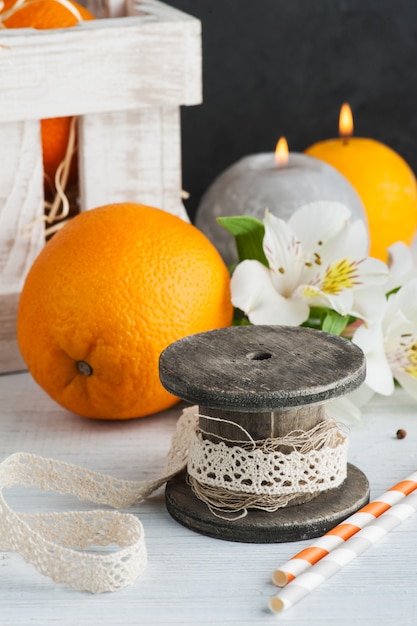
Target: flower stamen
x: 412, y: 360
x: 342, y: 275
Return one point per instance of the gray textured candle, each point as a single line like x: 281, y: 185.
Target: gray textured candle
x: 256, y: 183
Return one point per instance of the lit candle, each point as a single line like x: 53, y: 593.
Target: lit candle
x: 280, y: 182
x: 383, y: 180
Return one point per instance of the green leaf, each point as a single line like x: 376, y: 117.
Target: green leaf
x: 391, y: 293
x: 249, y: 234
x: 334, y: 323
x: 239, y: 318
x: 316, y: 317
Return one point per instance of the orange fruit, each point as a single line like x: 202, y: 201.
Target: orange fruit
x: 45, y: 14
x: 385, y: 183
x: 55, y: 133
x: 111, y: 290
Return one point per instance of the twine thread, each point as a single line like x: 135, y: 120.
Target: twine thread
x: 232, y: 478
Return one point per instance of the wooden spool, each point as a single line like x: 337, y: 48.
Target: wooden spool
x: 269, y: 380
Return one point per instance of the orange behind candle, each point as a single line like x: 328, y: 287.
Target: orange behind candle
x: 383, y: 180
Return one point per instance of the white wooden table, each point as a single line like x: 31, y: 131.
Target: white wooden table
x: 192, y: 579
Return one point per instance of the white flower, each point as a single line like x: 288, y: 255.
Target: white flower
x: 344, y: 410
x: 401, y: 266
x: 379, y: 377
x: 316, y: 259
x: 390, y: 345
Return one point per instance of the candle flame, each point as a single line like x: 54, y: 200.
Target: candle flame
x: 345, y: 121
x: 281, y: 152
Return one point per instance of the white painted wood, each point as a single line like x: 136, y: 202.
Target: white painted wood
x: 99, y: 66
x: 193, y: 580
x: 132, y: 156
x: 21, y: 201
x: 10, y: 359
x: 21, y: 228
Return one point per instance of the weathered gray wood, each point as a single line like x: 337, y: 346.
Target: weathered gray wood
x: 295, y: 523
x: 260, y: 425
x: 261, y: 368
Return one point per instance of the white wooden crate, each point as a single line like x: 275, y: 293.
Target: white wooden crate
x: 126, y: 78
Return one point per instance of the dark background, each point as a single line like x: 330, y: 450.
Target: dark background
x: 284, y: 67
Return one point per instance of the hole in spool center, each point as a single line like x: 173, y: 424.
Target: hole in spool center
x: 258, y: 355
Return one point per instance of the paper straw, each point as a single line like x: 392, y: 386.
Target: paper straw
x: 340, y: 557
x: 342, y: 532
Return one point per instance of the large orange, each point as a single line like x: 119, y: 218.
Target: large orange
x: 45, y: 14
x: 106, y: 295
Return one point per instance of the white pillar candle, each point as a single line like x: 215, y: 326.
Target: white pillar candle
x: 257, y: 182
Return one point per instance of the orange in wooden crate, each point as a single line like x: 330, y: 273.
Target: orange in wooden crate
x: 43, y: 15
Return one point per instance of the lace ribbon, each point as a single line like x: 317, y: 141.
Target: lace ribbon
x: 265, y: 470
x: 64, y: 546
x: 233, y: 476
x: 77, y: 548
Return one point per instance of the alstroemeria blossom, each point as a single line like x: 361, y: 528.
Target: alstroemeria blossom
x: 401, y: 266
x: 390, y: 345
x: 318, y: 258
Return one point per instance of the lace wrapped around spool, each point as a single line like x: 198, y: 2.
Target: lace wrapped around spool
x: 260, y: 475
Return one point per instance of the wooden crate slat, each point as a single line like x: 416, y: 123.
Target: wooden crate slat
x: 126, y: 78
x: 131, y: 156
x: 21, y: 201
x: 171, y: 161
x: 98, y: 66
x: 10, y: 359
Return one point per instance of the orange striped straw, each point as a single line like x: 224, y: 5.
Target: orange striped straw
x: 342, y: 532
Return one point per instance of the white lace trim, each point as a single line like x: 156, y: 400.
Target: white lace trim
x: 76, y: 548
x: 237, y: 469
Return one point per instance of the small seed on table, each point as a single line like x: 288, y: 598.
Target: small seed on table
x: 401, y: 433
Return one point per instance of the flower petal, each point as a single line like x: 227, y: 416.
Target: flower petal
x: 343, y: 410
x: 401, y: 311
x: 340, y: 302
x: 254, y: 293
x: 373, y: 270
x: 408, y: 382
x: 284, y: 254
x: 406, y: 300
x: 401, y: 265
x: 318, y: 222
x: 369, y: 304
x: 351, y: 243
x: 378, y: 372
x: 361, y: 395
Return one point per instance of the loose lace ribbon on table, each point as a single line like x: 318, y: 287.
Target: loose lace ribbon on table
x: 64, y: 546
x: 47, y: 540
